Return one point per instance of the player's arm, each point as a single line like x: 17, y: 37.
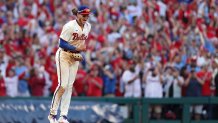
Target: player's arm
x: 65, y: 45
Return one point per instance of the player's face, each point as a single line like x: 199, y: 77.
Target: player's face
x: 82, y: 18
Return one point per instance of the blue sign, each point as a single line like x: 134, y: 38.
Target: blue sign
x: 36, y: 111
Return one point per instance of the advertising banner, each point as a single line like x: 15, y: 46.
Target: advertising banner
x: 36, y: 111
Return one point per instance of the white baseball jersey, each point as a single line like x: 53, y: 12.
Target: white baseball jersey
x: 66, y: 66
x: 74, y: 35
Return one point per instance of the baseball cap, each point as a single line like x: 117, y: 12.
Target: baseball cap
x: 84, y: 10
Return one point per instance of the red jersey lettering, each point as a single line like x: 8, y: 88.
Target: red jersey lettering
x: 77, y: 37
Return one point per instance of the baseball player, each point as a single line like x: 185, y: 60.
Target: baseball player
x: 71, y: 43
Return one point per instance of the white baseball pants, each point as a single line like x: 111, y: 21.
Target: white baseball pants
x: 66, y: 71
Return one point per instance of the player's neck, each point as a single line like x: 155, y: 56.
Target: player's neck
x: 80, y: 24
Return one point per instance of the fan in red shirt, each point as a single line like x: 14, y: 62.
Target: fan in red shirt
x: 36, y: 82
x: 94, y: 82
x: 206, y: 76
x: 79, y: 82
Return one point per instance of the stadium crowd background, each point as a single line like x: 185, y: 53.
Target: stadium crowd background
x: 148, y: 40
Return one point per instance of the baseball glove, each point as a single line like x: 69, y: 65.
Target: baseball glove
x: 77, y: 56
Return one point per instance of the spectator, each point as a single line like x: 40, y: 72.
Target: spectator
x: 109, y: 80
x: 11, y: 82
x: 19, y: 69
x: 194, y: 86
x: 153, y: 89
x: 79, y: 84
x: 43, y: 69
x: 131, y: 81
x: 174, y: 83
x: 173, y: 88
x: 176, y: 87
x: 94, y: 82
x: 36, y: 82
x: 168, y: 81
x: 206, y: 75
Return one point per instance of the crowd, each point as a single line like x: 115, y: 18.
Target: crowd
x: 136, y: 48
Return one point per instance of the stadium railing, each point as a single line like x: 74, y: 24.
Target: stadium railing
x: 185, y: 102
x: 141, y: 113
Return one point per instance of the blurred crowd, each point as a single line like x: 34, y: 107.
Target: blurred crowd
x: 136, y: 48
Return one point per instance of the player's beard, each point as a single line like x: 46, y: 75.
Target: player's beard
x: 83, y: 21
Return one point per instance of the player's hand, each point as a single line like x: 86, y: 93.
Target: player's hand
x: 81, y: 47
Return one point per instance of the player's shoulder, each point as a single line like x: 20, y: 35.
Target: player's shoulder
x: 70, y: 23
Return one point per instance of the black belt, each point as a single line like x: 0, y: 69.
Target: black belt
x: 70, y: 51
